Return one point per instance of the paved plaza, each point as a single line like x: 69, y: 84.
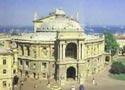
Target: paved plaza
x: 104, y: 82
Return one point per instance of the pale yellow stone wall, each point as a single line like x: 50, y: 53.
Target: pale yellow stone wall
x: 39, y: 54
x: 43, y: 56
x: 121, y: 42
x: 9, y: 72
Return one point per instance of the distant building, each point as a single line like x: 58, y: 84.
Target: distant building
x: 121, y: 42
x: 8, y: 68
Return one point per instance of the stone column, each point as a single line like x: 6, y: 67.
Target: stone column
x: 37, y: 51
x: 20, y: 51
x: 40, y: 52
x: 96, y: 49
x: 79, y: 51
x: 31, y: 52
x: 25, y: 50
x: 60, y: 51
x: 50, y: 51
x: 64, y: 48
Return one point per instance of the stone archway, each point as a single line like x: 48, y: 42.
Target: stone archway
x: 71, y: 72
x: 15, y: 80
x: 71, y: 50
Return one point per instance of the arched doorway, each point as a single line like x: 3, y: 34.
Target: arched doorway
x: 71, y: 72
x: 14, y: 71
x: 26, y: 73
x: 71, y: 50
x: 15, y: 80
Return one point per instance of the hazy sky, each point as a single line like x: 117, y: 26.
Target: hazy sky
x: 92, y: 12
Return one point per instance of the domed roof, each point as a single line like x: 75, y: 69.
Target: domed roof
x: 58, y: 21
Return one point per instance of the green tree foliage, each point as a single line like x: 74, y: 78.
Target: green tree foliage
x: 111, y: 43
x: 117, y: 68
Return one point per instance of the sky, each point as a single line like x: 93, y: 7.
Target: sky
x: 91, y: 12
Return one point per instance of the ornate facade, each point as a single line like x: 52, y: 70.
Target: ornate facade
x: 59, y: 49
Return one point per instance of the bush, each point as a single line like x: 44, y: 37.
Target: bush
x: 117, y: 68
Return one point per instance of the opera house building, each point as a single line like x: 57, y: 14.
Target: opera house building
x: 59, y: 49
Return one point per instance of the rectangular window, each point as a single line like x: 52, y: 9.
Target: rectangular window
x: 34, y: 65
x: 44, y: 75
x: 44, y: 65
x: 28, y: 51
x: 14, y: 71
x: 27, y: 63
x: 4, y: 61
x: 21, y: 62
x: 4, y: 71
x: 4, y: 84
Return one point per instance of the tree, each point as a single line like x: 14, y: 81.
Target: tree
x: 111, y: 43
x: 117, y: 68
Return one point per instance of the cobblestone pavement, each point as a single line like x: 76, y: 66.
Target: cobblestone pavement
x: 104, y: 82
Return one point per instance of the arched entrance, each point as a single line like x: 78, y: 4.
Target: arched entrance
x: 26, y: 73
x: 14, y: 71
x: 15, y: 80
x: 71, y: 50
x: 71, y: 72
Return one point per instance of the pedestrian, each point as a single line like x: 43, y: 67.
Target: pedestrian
x: 35, y: 85
x: 94, y: 82
x: 81, y: 87
x: 20, y: 86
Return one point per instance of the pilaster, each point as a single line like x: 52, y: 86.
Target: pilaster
x: 25, y: 50
x: 64, y: 48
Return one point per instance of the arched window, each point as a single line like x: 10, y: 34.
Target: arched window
x: 71, y: 50
x: 22, y: 50
x: 28, y: 51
